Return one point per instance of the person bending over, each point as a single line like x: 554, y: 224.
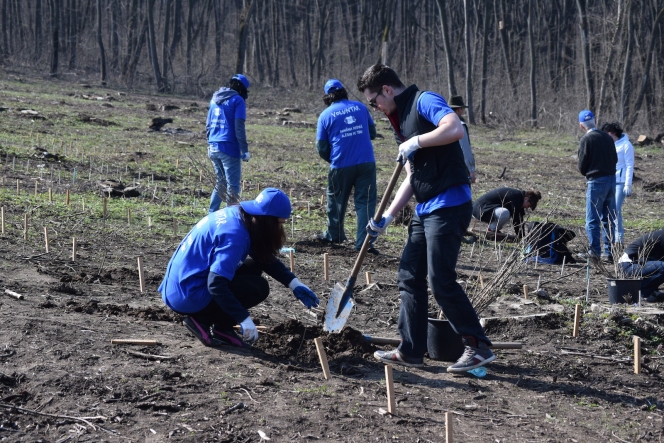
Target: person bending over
x: 644, y: 258
x: 496, y: 207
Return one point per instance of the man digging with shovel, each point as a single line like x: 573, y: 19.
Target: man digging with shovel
x: 428, y: 132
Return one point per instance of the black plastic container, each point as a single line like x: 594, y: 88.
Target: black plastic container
x: 623, y: 291
x: 442, y: 342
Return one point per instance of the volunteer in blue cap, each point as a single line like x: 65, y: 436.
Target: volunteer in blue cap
x: 597, y: 162
x: 343, y: 139
x: 227, y: 139
x: 214, y: 276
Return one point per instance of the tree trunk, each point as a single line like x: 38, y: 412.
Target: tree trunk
x: 73, y: 34
x: 152, y: 47
x: 115, y: 38
x: 38, y: 29
x: 177, y: 28
x: 190, y: 36
x: 625, y: 87
x: 585, y: 52
x: 137, y: 50
x: 164, y: 47
x: 442, y: 13
x: 485, y: 52
x: 469, y: 63
x: 54, y: 6
x: 504, y: 44
x: 609, y: 62
x: 533, y: 64
x: 100, y: 43
x: 218, y: 32
x: 130, y: 47
x: 242, y: 36
x: 5, y: 33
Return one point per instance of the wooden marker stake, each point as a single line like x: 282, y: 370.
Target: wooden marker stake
x: 562, y: 268
x: 322, y: 357
x: 326, y: 266
x: 129, y: 218
x: 2, y: 222
x: 46, y: 239
x: 50, y: 195
x: 200, y: 176
x: 141, y: 280
x: 175, y: 227
x: 481, y: 281
x: 73, y: 249
x: 367, y: 275
x: 448, y: 427
x: 322, y: 199
x: 243, y: 185
x: 67, y: 197
x: 389, y: 382
x: 525, y: 291
x: 637, y: 355
x: 36, y: 188
x: 292, y: 261
x: 105, y: 207
x: 149, y: 222
x: 577, y: 320
x: 177, y: 163
x: 18, y: 186
x: 25, y: 226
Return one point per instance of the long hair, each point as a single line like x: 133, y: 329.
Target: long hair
x: 237, y: 86
x: 533, y: 197
x: 335, y: 96
x: 267, y: 235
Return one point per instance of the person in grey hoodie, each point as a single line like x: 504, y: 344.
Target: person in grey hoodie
x: 227, y: 139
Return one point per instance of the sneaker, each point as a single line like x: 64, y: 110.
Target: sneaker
x: 371, y: 250
x: 229, y: 337
x: 468, y: 238
x: 655, y: 297
x: 201, y: 331
x: 494, y: 235
x: 475, y: 355
x: 398, y: 358
x: 606, y: 257
x: 321, y: 238
x: 594, y: 259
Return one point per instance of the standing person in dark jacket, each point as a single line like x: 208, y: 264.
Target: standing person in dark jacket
x: 343, y: 139
x: 597, y: 161
x: 496, y: 207
x: 227, y: 139
x: 644, y: 258
x: 428, y: 133
x: 210, y: 279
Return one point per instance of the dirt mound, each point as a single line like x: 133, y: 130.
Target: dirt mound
x: 293, y: 340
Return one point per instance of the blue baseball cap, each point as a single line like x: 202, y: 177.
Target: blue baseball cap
x: 244, y: 80
x: 271, y: 201
x: 332, y: 85
x: 585, y: 116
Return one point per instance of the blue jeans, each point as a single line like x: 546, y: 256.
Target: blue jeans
x: 229, y: 173
x: 652, y: 274
x: 619, y: 235
x: 431, y: 251
x: 600, y: 213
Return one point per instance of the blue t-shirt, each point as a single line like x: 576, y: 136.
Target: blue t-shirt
x: 221, y: 122
x: 219, y: 243
x: 345, y: 125
x: 433, y: 108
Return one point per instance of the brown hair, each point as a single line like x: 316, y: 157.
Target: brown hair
x: 533, y: 197
x: 267, y: 236
x: 335, y: 96
x: 377, y: 76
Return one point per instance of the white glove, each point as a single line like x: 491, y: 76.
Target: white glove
x: 245, y: 156
x: 627, y: 190
x: 248, y: 330
x: 375, y: 228
x: 408, y: 148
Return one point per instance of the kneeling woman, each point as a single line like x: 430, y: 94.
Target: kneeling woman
x: 211, y: 278
x: 496, y: 207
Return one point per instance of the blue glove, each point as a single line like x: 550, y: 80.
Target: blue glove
x: 374, y: 228
x: 245, y: 156
x: 407, y: 149
x: 627, y: 190
x: 304, y: 294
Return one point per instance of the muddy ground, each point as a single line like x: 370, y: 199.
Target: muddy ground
x: 62, y: 380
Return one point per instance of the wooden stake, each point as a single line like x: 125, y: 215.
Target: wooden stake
x: 177, y: 163
x: 290, y: 194
x: 16, y: 295
x: 36, y: 187
x: 141, y: 280
x: 18, y: 186
x: 105, y: 207
x: 243, y: 185
x: 73, y: 249
x: 637, y: 355
x: 367, y: 275
x: 200, y: 176
x: 448, y: 428
x: 149, y: 222
x: 2, y: 222
x: 46, y: 239
x: 481, y: 281
x: 562, y: 268
x: 322, y: 357
x: 129, y: 218
x: 25, y: 226
x: 50, y: 195
x: 189, y: 172
x: 389, y: 383
x: 292, y: 261
x: 175, y: 227
x: 525, y: 292
x: 131, y: 341
x: 326, y: 266
x: 577, y: 320
x: 67, y: 197
x: 322, y: 199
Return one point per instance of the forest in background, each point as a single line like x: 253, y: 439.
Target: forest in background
x: 546, y: 59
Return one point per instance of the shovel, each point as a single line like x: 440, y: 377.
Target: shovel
x: 340, y: 303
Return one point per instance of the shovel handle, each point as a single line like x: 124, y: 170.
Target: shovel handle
x: 379, y: 214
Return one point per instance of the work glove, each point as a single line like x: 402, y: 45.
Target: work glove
x: 304, y: 294
x: 627, y: 190
x: 407, y: 149
x: 374, y: 228
x: 245, y: 156
x: 248, y: 330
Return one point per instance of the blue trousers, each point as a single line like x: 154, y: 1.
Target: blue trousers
x: 619, y: 235
x: 600, y: 213
x: 431, y: 251
x: 229, y: 172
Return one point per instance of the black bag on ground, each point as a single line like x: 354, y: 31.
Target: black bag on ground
x: 547, y: 243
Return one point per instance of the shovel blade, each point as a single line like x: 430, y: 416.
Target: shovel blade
x: 334, y: 323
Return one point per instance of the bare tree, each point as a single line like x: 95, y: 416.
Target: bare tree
x: 585, y: 52
x: 100, y: 43
x: 242, y: 36
x: 469, y: 63
x: 54, y: 9
x: 625, y: 88
x: 442, y: 13
x: 533, y: 64
x: 152, y: 47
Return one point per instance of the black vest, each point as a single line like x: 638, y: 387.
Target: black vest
x: 435, y: 168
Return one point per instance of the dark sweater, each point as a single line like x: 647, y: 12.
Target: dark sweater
x: 508, y: 198
x: 597, y: 155
x: 649, y: 247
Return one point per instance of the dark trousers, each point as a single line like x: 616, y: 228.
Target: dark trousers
x: 432, y: 249
x: 651, y: 273
x: 248, y: 286
x: 340, y: 182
